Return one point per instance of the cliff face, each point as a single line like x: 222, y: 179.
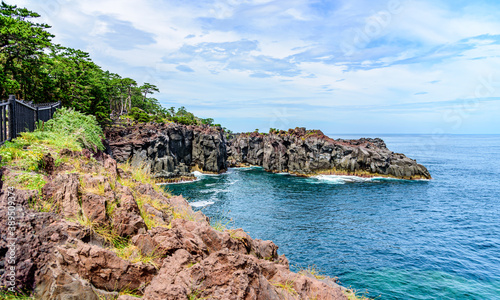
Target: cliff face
x: 172, y: 151
x: 94, y: 232
x: 310, y: 152
x: 169, y: 150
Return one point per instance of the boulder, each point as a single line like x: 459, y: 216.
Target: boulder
x: 102, y: 267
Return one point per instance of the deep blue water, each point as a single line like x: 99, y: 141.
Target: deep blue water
x: 437, y: 239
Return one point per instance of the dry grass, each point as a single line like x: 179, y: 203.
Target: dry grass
x: 140, y: 174
x: 352, y: 294
x: 287, y: 286
x: 133, y: 254
x: 314, y: 271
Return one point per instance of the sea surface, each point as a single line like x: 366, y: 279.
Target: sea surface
x: 391, y: 239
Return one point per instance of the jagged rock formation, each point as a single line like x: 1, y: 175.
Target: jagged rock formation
x: 169, y: 150
x: 76, y: 250
x: 310, y: 152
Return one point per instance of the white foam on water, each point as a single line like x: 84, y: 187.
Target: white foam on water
x: 202, y: 203
x: 343, y: 179
x: 179, y: 182
x: 199, y: 174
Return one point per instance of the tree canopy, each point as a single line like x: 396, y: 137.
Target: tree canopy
x: 34, y: 68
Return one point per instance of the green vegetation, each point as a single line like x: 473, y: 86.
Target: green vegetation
x: 25, y: 155
x: 14, y: 296
x: 130, y: 292
x: 273, y: 130
x: 287, y: 286
x: 33, y: 68
x: 354, y: 295
x: 195, y: 295
x: 219, y: 225
x: 133, y: 254
x: 314, y: 271
x: 70, y: 122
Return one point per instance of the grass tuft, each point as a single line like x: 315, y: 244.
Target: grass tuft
x: 287, y: 286
x: 352, y: 294
x: 314, y: 271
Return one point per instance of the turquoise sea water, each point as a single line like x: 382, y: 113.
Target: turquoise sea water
x: 437, y: 239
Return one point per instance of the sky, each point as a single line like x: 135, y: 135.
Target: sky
x: 347, y: 66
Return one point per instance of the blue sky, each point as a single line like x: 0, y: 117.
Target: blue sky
x: 353, y: 66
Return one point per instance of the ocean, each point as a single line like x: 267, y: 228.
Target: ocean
x: 391, y: 239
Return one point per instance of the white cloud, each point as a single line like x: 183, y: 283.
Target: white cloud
x: 298, y: 56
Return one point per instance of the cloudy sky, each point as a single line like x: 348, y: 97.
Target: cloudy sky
x: 343, y: 66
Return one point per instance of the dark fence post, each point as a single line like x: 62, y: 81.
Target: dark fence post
x: 12, y: 117
x: 36, y: 116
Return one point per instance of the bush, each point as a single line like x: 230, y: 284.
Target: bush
x: 139, y: 115
x: 84, y: 128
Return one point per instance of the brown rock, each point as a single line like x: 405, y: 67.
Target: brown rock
x: 64, y: 191
x: 57, y: 284
x: 110, y: 166
x: 227, y: 275
x: 36, y: 234
x: 127, y: 218
x: 48, y: 164
x: 102, y: 267
x: 94, y: 208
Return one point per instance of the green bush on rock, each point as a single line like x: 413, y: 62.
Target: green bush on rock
x: 70, y: 122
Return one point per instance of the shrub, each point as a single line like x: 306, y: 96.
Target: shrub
x: 139, y: 115
x: 70, y: 122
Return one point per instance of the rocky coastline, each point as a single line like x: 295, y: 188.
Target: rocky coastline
x: 309, y: 152
x: 169, y: 151
x: 96, y: 225
x: 94, y: 231
x: 172, y: 151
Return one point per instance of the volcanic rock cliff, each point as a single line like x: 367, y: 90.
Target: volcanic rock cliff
x: 169, y: 150
x: 95, y: 232
x: 172, y: 150
x: 310, y: 152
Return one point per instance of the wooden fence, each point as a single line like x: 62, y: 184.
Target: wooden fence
x: 17, y: 116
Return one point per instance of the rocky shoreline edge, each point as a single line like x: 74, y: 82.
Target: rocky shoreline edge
x: 100, y: 230
x: 172, y: 151
x: 96, y: 225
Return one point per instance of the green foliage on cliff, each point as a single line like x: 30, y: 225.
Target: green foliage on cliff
x: 68, y: 129
x: 34, y: 68
x: 4, y: 295
x: 84, y: 128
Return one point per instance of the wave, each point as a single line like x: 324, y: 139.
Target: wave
x: 343, y: 179
x: 201, y: 203
x: 179, y: 182
x: 199, y: 174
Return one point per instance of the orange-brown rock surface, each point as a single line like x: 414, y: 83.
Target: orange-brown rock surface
x: 107, y: 236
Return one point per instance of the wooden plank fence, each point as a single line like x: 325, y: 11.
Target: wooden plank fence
x: 17, y: 116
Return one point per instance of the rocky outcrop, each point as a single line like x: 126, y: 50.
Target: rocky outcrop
x: 310, y: 152
x: 108, y: 235
x: 169, y: 150
x: 174, y: 151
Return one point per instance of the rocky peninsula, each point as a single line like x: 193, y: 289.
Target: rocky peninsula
x: 172, y: 151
